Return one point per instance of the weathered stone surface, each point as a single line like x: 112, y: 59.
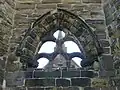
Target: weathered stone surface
x: 109, y: 88
x: 91, y: 1
x: 15, y: 88
x: 35, y: 88
x: 106, y: 50
x: 40, y: 74
x: 97, y: 82
x: 105, y: 43
x: 24, y: 6
x: 80, y: 82
x: 11, y: 3
x: 64, y: 6
x: 46, y: 6
x: 91, y: 88
x: 107, y: 73
x: 62, y: 82
x: 15, y: 79
x: 51, y: 1
x: 89, y: 74
x: 101, y: 36
x: 116, y: 81
x: 107, y: 62
x: 29, y: 10
x: 71, y: 74
x: 1, y: 76
x: 39, y: 82
x: 71, y: 1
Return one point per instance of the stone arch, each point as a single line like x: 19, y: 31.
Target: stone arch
x: 52, y: 21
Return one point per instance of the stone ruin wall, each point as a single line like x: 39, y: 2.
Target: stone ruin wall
x: 17, y: 15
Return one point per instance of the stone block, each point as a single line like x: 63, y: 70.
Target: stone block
x: 9, y: 10
x: 62, y: 82
x: 80, y: 81
x: 28, y: 1
x: 118, y: 88
x: 91, y: 88
x: 46, y: 6
x: 39, y: 82
x: 1, y: 76
x: 40, y: 74
x: 91, y: 1
x: 79, y: 7
x: 25, y: 11
x: 91, y: 21
x: 116, y: 81
x: 106, y: 50
x: 64, y: 6
x: 15, y: 79
x: 87, y: 74
x: 104, y: 43
x: 35, y: 88
x: 69, y: 74
x: 20, y: 16
x: 101, y: 36
x: 117, y: 5
x: 107, y: 62
x: 28, y: 74
x: 97, y: 82
x: 11, y: 3
x: 21, y: 21
x: 109, y: 88
x: 107, y: 73
x: 109, y: 19
x: 24, y: 6
x: 71, y: 1
x: 2, y: 63
x: 106, y: 8
x: 50, y: 1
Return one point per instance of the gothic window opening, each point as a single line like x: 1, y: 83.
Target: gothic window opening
x: 56, y: 34
x: 42, y: 62
x: 71, y: 47
x: 73, y: 28
x: 67, y: 51
x: 77, y: 60
x: 47, y: 47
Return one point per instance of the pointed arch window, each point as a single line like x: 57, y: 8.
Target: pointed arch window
x: 47, y: 47
x: 42, y: 62
x: 71, y: 47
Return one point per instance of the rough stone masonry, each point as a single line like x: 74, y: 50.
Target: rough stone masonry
x: 17, y: 15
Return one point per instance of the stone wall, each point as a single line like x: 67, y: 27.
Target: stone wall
x: 17, y: 15
x: 6, y: 26
x: 112, y: 16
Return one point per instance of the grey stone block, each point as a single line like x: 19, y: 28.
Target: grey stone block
x: 35, y: 88
x: 91, y: 88
x: 51, y: 1
x: 104, y: 43
x: 91, y: 1
x: 106, y: 50
x: 24, y: 6
x: 81, y: 81
x: 107, y: 62
x: 39, y: 82
x: 89, y: 74
x: 107, y: 73
x: 40, y: 74
x: 71, y: 74
x: 62, y: 82
x: 108, y: 88
x: 15, y: 79
x: 101, y: 36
